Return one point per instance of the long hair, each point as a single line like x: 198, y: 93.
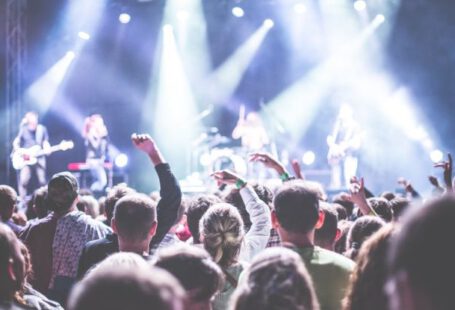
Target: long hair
x: 222, y: 232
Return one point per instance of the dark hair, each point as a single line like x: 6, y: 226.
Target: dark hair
x: 296, y: 207
x: 349, y: 206
x: 382, y: 208
x: 366, y: 287
x: 62, y: 191
x: 10, y: 253
x: 8, y: 198
x: 326, y: 234
x: 399, y: 206
x: 199, y: 275
x: 388, y: 195
x: 342, y: 214
x: 234, y: 198
x: 276, y: 279
x: 124, y: 287
x: 134, y: 216
x: 40, y: 203
x: 344, y: 226
x: 424, y: 250
x: 197, y: 206
x: 363, y: 228
x: 114, y: 195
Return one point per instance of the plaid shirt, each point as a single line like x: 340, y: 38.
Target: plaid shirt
x: 274, y: 239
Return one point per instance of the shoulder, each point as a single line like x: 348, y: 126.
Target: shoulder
x: 38, y: 226
x: 324, y: 256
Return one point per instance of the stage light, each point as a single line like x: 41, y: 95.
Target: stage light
x: 238, y: 12
x: 308, y: 158
x: 70, y: 55
x: 436, y: 156
x: 124, y: 18
x: 121, y: 161
x: 84, y: 35
x: 168, y: 29
x: 269, y: 23
x: 182, y: 15
x: 360, y: 5
x: 299, y: 8
x: 379, y: 19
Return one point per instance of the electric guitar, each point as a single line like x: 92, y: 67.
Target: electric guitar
x: 29, y: 156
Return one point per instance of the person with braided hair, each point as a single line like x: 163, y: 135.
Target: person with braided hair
x: 223, y: 235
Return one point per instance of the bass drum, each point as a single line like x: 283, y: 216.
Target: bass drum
x: 226, y: 159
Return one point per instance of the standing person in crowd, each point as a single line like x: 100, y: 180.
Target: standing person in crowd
x: 8, y: 201
x: 127, y: 284
x: 97, y: 146
x: 362, y: 229
x: 223, y: 236
x: 31, y: 133
x: 366, y: 287
x: 327, y: 235
x: 296, y: 216
x: 421, y: 259
x: 56, y: 241
x: 197, y: 207
x: 166, y: 209
x: 199, y: 275
x: 277, y: 279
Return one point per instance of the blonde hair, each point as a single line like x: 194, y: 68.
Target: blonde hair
x: 222, y: 232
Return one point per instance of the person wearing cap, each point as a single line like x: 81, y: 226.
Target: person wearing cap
x: 56, y: 241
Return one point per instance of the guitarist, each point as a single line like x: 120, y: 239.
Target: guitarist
x: 31, y: 133
x: 343, y: 144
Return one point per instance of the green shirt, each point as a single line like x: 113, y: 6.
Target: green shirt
x: 330, y: 272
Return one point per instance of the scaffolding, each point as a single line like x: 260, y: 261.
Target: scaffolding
x: 16, y: 53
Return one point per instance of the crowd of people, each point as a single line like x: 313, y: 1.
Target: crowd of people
x: 245, y: 246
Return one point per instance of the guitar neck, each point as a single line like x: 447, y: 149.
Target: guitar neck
x: 50, y: 150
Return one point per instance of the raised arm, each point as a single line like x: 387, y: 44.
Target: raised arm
x: 357, y: 196
x: 171, y: 195
x: 261, y: 222
x: 271, y: 163
x: 447, y: 167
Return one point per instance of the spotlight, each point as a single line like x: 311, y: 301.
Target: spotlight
x: 436, y: 156
x: 183, y: 15
x: 121, y: 161
x: 168, y: 28
x: 379, y: 19
x: 124, y: 18
x: 360, y: 5
x: 299, y: 8
x: 70, y: 54
x: 308, y: 158
x: 84, y: 35
x: 269, y: 23
x: 238, y: 11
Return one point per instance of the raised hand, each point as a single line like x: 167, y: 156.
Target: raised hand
x: 357, y: 195
x: 227, y: 177
x: 146, y: 144
x: 268, y: 161
x: 297, y: 170
x: 434, y: 181
x: 447, y: 166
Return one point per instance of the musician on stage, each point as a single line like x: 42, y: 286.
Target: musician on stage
x: 344, y: 142
x: 253, y: 135
x: 251, y: 130
x: 31, y: 133
x: 96, y: 143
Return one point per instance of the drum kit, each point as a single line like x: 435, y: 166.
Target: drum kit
x: 211, y: 152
